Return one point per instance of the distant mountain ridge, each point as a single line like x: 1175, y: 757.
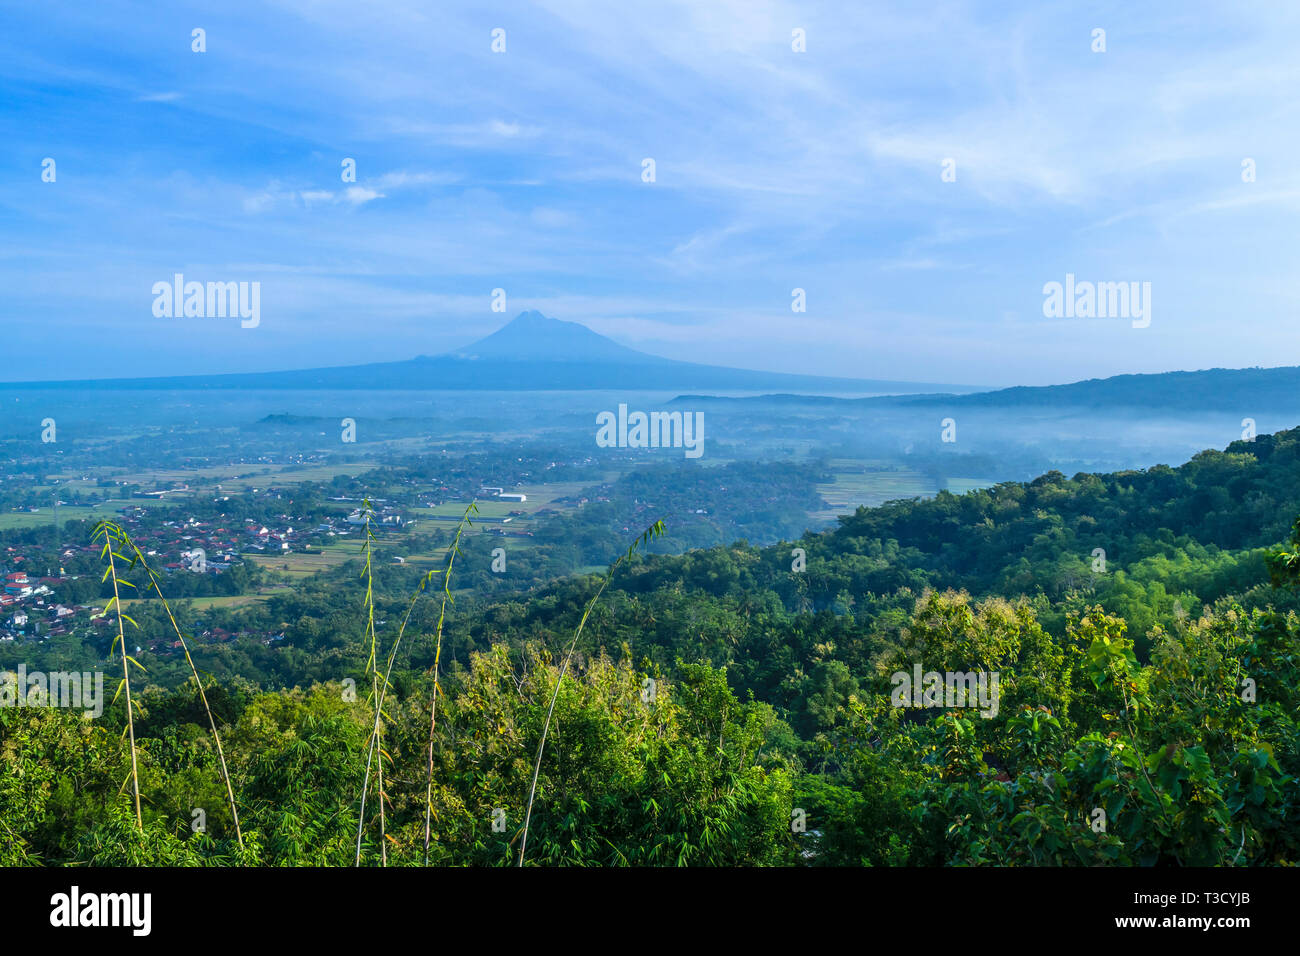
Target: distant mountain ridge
x: 534, y: 352
x: 531, y: 353
x: 1215, y: 389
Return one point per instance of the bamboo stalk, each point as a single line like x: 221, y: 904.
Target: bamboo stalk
x: 221, y: 755
x: 126, y: 673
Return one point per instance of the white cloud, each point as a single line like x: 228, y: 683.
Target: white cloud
x: 361, y: 194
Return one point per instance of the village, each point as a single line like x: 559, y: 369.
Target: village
x: 39, y: 603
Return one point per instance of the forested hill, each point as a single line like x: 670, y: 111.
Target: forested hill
x: 1010, y: 538
x: 1039, y: 537
x: 1154, y: 546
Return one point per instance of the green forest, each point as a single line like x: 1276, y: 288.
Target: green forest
x: 730, y: 705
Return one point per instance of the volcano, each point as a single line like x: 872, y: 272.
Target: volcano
x: 533, y: 352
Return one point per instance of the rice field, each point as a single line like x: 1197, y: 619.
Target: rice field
x: 850, y: 490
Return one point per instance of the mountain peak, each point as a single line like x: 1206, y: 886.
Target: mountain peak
x: 531, y: 336
x: 532, y: 317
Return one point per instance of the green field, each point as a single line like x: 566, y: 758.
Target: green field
x: 235, y: 600
x: 850, y: 490
x: 238, y: 480
x: 235, y: 477
x: 303, y: 564
x: 298, y: 564
x: 486, y: 509
x: 45, y: 517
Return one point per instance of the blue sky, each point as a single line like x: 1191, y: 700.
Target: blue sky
x: 775, y: 169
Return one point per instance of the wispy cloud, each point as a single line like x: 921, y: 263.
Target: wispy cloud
x: 775, y: 169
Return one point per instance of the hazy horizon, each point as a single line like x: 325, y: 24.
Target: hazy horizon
x: 719, y: 392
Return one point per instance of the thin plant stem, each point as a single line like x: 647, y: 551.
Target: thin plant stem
x: 372, y: 667
x: 437, y: 657
x: 650, y: 533
x: 221, y: 755
x: 126, y: 674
